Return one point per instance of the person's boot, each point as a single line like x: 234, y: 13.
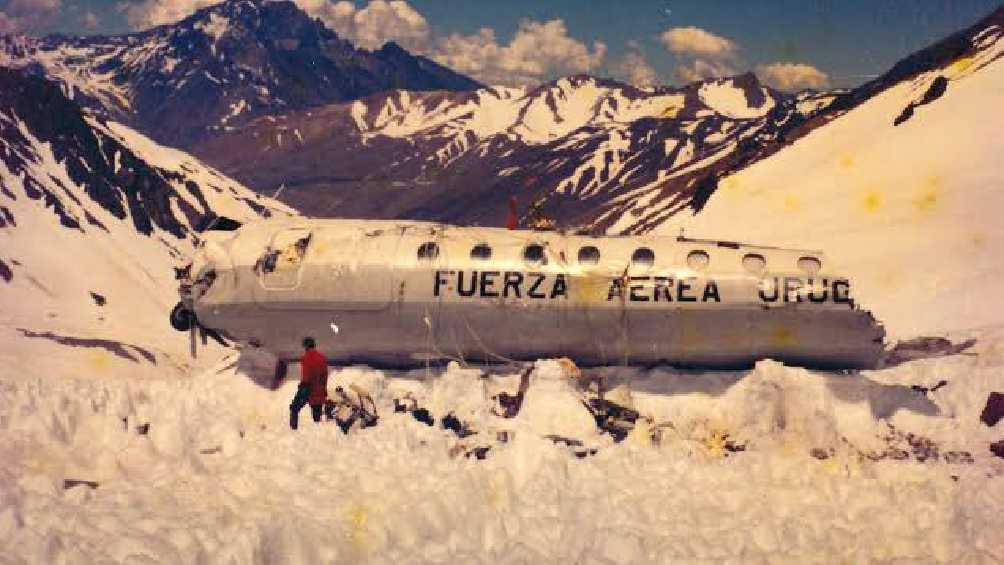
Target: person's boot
x: 294, y: 419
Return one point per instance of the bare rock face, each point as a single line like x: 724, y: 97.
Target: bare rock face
x: 222, y: 66
x: 993, y: 412
x: 924, y: 348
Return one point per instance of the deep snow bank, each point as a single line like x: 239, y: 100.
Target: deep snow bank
x: 911, y: 211
x: 206, y: 469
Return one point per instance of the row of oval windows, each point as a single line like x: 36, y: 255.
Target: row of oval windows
x: 642, y: 257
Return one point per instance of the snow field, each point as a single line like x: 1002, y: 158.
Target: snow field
x: 205, y: 469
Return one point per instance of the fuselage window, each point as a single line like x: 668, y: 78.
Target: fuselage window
x: 428, y: 251
x: 698, y: 260
x: 534, y: 253
x: 481, y: 252
x: 754, y: 263
x: 589, y: 255
x: 810, y: 265
x: 643, y: 257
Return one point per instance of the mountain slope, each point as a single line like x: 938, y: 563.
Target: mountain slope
x: 92, y: 218
x: 585, y: 149
x: 222, y: 66
x: 904, y: 191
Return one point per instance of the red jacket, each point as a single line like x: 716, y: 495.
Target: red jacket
x: 314, y: 372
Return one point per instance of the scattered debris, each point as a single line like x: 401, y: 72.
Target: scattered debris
x: 143, y: 429
x: 923, y: 348
x: 993, y: 412
x: 424, y: 416
x: 480, y: 453
x: 576, y: 446
x: 346, y: 411
x: 98, y: 299
x: 508, y: 404
x: 452, y: 423
x: 70, y: 483
x: 821, y: 454
x: 998, y: 448
x: 907, y: 445
x: 616, y: 420
x: 407, y: 404
x: 925, y: 390
x: 211, y: 450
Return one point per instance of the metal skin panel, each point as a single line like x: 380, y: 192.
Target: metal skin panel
x: 362, y: 291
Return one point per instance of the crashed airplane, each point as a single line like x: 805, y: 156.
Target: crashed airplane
x: 402, y: 293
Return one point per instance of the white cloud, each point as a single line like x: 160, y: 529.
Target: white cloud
x: 701, y: 54
x: 538, y: 51
x: 696, y: 42
x: 792, y: 77
x: 377, y: 23
x: 7, y: 23
x: 90, y: 20
x: 26, y: 15
x: 150, y: 13
x: 700, y: 69
x: 635, y: 68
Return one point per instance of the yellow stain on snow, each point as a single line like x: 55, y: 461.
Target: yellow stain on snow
x: 730, y: 184
x: 669, y: 112
x: 960, y: 66
x: 99, y: 360
x: 872, y: 200
x: 791, y: 203
x: 846, y: 161
x: 358, y: 518
x: 929, y: 196
x: 714, y: 443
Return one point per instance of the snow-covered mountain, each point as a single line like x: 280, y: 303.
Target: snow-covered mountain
x: 588, y: 149
x: 904, y: 189
x: 93, y: 216
x: 220, y: 67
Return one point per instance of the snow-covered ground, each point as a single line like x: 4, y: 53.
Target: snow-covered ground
x: 918, y: 203
x: 205, y: 469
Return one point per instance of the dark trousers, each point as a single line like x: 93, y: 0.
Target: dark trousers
x: 299, y: 401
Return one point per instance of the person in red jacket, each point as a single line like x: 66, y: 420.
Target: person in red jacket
x: 313, y: 388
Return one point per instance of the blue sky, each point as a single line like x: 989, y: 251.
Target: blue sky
x: 847, y: 40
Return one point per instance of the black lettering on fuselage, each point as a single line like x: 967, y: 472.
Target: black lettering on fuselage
x: 663, y: 288
x: 532, y: 292
x: 460, y: 284
x: 813, y: 296
x: 560, y: 287
x: 792, y: 285
x: 513, y: 280
x: 439, y: 282
x: 793, y: 289
x: 711, y: 292
x: 682, y: 288
x: 772, y: 283
x: 616, y: 289
x: 487, y: 282
x: 635, y: 290
x: 841, y: 291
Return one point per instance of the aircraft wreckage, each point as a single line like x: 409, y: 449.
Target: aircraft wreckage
x: 398, y: 294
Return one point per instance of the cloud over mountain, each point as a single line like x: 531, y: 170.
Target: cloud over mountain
x: 537, y: 51
x: 792, y: 77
